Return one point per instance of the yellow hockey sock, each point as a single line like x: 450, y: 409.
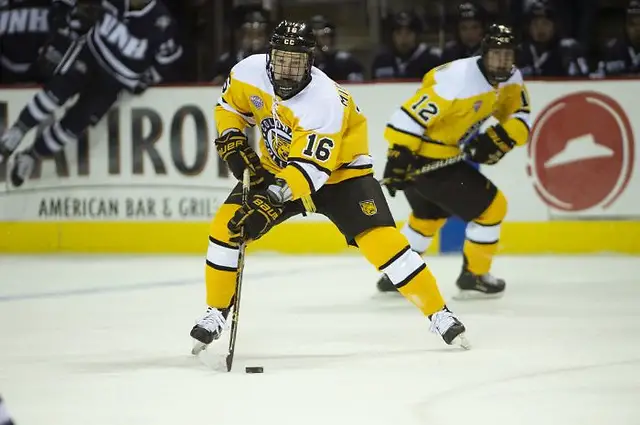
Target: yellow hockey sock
x: 483, y: 235
x: 222, y: 260
x: 388, y: 250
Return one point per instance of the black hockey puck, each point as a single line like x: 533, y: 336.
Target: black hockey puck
x: 254, y: 369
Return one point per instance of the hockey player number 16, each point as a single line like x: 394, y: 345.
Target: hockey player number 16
x: 425, y: 110
x: 320, y: 151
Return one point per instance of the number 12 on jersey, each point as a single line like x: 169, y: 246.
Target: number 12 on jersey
x: 425, y: 110
x: 321, y: 150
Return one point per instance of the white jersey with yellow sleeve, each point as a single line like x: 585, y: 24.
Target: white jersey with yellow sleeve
x: 452, y: 104
x: 317, y: 137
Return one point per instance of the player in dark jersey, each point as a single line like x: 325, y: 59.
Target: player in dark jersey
x: 545, y: 53
x: 254, y: 36
x: 407, y: 57
x: 339, y: 65
x: 130, y: 47
x: 469, y: 32
x: 24, y: 29
x: 622, y: 55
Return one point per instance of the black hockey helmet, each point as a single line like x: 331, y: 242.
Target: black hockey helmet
x: 324, y: 31
x: 290, y: 58
x: 541, y: 9
x: 406, y: 20
x: 498, y: 53
x: 471, y: 11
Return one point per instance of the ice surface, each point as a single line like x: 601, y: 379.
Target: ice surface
x: 104, y: 341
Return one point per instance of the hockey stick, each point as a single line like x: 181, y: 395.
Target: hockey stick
x: 246, y: 183
x: 430, y: 167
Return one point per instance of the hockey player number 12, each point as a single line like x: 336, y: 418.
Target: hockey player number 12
x: 425, y: 110
x: 320, y: 151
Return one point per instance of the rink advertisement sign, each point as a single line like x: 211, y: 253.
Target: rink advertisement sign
x: 149, y: 159
x: 582, y: 152
x: 152, y: 159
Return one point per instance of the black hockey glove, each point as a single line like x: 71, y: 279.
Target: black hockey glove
x: 400, y: 162
x: 489, y: 147
x: 233, y: 147
x: 256, y: 217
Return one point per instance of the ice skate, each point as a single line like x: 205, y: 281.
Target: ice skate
x: 9, y: 142
x: 474, y: 286
x: 447, y: 325
x: 208, y: 328
x: 385, y: 285
x: 23, y: 164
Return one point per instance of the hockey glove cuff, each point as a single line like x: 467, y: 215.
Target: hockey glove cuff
x: 400, y: 162
x: 489, y: 147
x: 255, y: 218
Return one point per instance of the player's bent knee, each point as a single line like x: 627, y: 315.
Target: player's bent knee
x: 380, y: 244
x: 496, y: 212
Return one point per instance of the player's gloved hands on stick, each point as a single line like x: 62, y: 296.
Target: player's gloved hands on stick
x: 256, y: 217
x: 233, y: 147
x: 400, y: 162
x: 489, y: 147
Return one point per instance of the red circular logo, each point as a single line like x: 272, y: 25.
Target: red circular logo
x: 581, y: 152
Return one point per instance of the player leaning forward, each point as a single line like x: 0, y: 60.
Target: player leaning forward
x: 442, y: 118
x: 315, y: 146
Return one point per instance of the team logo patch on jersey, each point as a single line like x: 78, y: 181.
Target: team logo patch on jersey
x: 277, y: 140
x: 257, y: 102
x: 477, y: 105
x: 368, y: 207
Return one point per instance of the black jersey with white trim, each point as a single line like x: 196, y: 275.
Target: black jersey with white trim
x: 129, y: 43
x: 24, y: 28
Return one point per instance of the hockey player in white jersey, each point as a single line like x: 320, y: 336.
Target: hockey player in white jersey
x: 314, y: 152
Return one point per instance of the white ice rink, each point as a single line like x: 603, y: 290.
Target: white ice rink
x: 104, y: 341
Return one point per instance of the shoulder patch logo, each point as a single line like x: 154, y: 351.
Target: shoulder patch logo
x: 368, y: 207
x: 257, y: 102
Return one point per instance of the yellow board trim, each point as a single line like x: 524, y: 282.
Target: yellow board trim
x: 574, y: 237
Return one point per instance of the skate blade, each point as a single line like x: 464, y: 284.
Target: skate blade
x: 198, y: 347
x: 462, y: 341
x: 471, y: 295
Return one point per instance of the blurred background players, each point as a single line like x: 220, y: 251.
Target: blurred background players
x: 97, y: 67
x: 406, y: 57
x: 253, y: 35
x: 25, y: 26
x: 544, y: 53
x: 622, y: 55
x: 470, y: 26
x: 338, y: 64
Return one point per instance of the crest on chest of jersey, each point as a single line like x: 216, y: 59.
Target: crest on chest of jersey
x: 499, y: 53
x: 277, y: 140
x: 290, y: 58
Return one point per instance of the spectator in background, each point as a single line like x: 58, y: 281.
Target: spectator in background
x: 407, y: 57
x: 339, y: 65
x: 471, y: 21
x: 21, y: 41
x: 622, y: 56
x: 545, y: 53
x: 254, y: 34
